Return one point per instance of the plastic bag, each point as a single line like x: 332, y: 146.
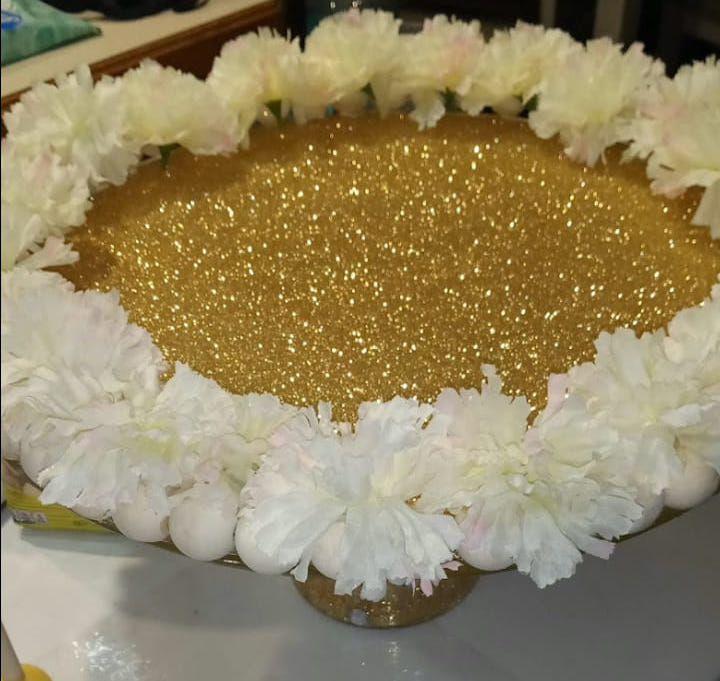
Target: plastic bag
x: 30, y: 27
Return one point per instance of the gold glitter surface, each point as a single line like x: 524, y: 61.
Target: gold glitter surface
x: 352, y: 260
x: 400, y: 607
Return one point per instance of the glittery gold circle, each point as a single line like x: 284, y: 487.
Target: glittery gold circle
x: 400, y: 607
x: 351, y: 260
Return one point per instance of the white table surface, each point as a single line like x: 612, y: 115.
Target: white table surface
x: 102, y: 608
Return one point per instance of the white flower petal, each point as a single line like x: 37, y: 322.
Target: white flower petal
x: 165, y: 106
x: 362, y: 481
x: 140, y: 521
x: 345, y: 53
x: 254, y: 70
x: 83, y: 123
x: 442, y: 56
x: 509, y: 70
x: 591, y: 118
x: 696, y: 482
x: 676, y: 131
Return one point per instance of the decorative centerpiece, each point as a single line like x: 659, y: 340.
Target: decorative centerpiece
x: 522, y: 351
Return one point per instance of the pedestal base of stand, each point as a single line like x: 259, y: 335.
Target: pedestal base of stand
x: 401, y: 607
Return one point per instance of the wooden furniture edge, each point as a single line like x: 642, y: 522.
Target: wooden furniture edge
x: 170, y: 49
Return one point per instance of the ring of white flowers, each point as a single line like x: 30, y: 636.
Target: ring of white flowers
x: 410, y: 487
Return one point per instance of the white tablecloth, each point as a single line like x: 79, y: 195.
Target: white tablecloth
x: 85, y: 606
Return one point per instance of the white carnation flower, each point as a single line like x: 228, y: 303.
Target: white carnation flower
x: 83, y: 124
x: 19, y: 281
x: 693, y: 345
x: 316, y: 87
x: 343, y: 55
x: 575, y: 453
x: 16, y: 284
x: 254, y: 70
x: 54, y: 252
x: 473, y: 432
x: 441, y: 58
x: 676, y: 129
x: 166, y: 106
x: 186, y: 437
x: 307, y: 423
x: 349, y: 496
x: 591, y: 97
x: 29, y: 216
x: 65, y: 195
x: 257, y: 421
x: 22, y: 234
x: 511, y: 67
x: 536, y: 497
x: 664, y: 408
x: 259, y: 416
x: 25, y: 242
x: 69, y: 361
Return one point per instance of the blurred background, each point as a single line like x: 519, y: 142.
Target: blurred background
x: 193, y: 31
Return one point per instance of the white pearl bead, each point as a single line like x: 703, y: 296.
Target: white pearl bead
x: 483, y: 560
x: 252, y: 556
x: 203, y: 530
x: 140, y: 522
x: 695, y: 484
x: 326, y: 553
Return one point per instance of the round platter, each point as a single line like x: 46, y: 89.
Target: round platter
x: 379, y: 350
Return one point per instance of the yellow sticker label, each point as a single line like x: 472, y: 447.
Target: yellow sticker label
x: 27, y: 510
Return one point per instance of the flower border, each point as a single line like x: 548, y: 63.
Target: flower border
x: 410, y: 488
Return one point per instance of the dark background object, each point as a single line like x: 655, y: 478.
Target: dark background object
x: 687, y: 30
x: 126, y: 9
